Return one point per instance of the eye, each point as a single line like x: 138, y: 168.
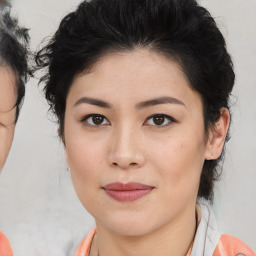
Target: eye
x: 95, y: 120
x: 160, y: 120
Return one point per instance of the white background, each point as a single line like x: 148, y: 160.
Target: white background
x: 39, y: 210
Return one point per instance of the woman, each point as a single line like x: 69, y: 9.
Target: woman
x: 13, y: 75
x: 141, y: 93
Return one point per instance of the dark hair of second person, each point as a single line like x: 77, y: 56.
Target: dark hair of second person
x: 14, y: 52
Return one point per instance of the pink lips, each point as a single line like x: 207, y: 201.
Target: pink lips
x: 127, y: 192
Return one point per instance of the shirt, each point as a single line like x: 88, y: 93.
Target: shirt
x: 5, y: 248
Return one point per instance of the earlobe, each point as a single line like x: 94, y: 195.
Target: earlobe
x: 218, y: 135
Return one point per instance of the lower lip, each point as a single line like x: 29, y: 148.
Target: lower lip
x: 127, y: 195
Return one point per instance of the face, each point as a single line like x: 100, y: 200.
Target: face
x: 135, y: 141
x: 7, y: 112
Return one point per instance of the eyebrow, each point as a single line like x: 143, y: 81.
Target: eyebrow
x: 158, y: 101
x: 93, y: 101
x: 139, y: 106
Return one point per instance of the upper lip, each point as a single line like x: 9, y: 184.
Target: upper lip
x: 117, y: 186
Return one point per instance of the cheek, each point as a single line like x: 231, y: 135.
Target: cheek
x: 179, y: 163
x: 82, y: 163
x: 85, y: 157
x: 86, y: 161
x: 81, y: 149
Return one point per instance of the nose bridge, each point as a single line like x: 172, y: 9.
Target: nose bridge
x: 126, y: 150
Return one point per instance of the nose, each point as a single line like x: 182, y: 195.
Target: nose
x: 126, y: 149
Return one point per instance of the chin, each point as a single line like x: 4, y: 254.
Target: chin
x: 130, y: 230
x: 128, y: 225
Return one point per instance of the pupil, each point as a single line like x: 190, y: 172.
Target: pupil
x: 97, y: 119
x: 158, y: 120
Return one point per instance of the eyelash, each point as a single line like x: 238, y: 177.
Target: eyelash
x: 169, y: 118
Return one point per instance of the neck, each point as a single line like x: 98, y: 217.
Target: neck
x: 174, y: 238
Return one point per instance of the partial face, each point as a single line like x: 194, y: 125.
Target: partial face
x: 7, y: 112
x: 135, y: 141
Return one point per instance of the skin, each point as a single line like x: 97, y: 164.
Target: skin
x: 128, y: 146
x: 7, y: 112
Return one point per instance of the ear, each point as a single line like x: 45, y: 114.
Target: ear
x: 217, y: 136
x: 66, y: 157
x: 61, y: 137
x: 59, y: 132
x: 63, y: 141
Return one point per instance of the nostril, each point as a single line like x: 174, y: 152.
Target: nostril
x: 131, y: 164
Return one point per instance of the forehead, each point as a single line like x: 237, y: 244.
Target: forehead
x: 8, y: 94
x: 136, y: 75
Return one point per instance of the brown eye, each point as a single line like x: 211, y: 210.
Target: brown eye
x: 95, y: 120
x: 158, y: 120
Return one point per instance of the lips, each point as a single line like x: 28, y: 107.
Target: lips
x: 127, y: 192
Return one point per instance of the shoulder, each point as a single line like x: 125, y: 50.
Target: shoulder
x: 5, y: 248
x: 84, y: 247
x: 231, y: 246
